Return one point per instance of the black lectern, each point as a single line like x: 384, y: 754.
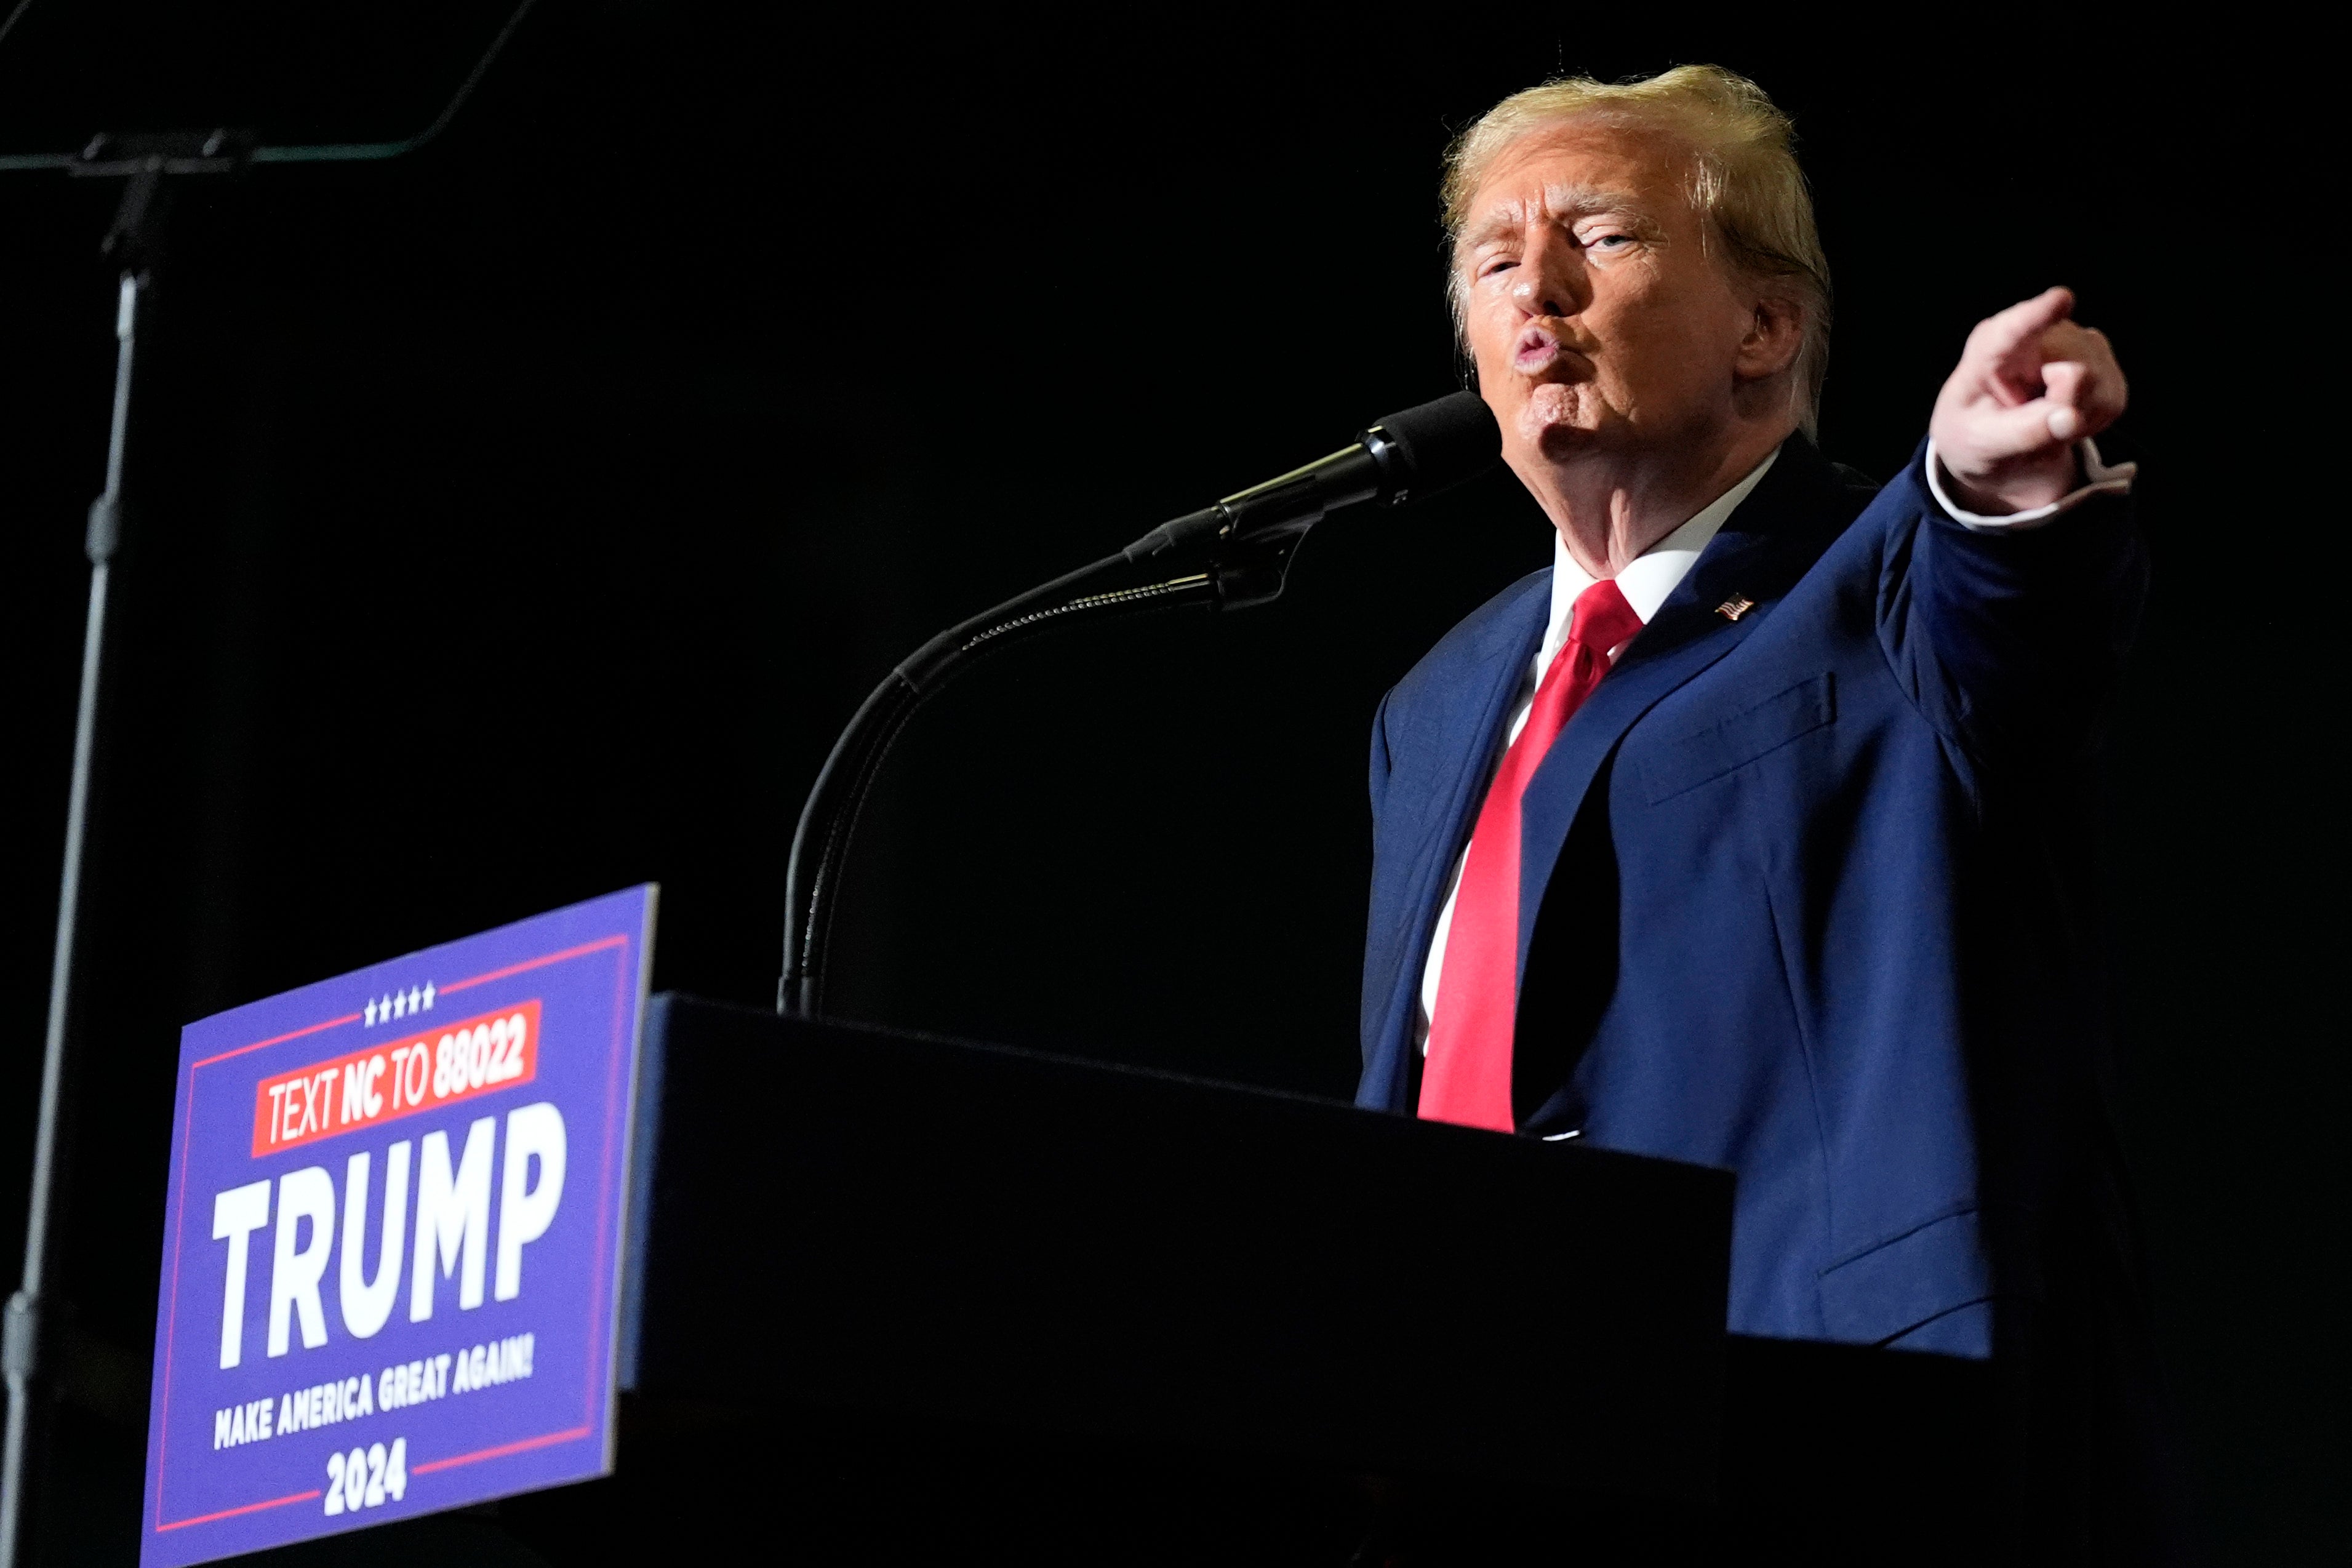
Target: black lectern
x: 924, y: 1233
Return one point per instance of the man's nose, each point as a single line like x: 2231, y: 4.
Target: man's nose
x: 1551, y: 275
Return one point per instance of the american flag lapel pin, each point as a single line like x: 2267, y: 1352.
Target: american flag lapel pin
x: 1734, y: 608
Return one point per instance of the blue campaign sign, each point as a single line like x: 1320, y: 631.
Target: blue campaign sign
x: 392, y: 1238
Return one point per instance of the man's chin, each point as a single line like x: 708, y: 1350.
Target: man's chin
x: 1557, y: 436
x: 1555, y: 405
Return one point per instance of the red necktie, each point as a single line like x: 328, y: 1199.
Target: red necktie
x: 1467, y: 1078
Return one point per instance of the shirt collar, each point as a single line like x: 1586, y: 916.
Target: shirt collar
x: 1649, y: 577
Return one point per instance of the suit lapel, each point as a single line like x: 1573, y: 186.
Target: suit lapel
x: 1470, y: 718
x: 1467, y: 721
x: 1758, y: 555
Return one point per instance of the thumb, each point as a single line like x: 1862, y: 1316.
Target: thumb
x: 2028, y: 427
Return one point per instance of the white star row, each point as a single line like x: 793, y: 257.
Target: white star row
x: 399, y: 1004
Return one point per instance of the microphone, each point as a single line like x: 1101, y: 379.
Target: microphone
x: 1405, y: 456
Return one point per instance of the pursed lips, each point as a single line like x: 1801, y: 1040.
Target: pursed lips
x: 1538, y: 350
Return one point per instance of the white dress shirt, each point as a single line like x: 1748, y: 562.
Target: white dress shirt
x: 1649, y: 578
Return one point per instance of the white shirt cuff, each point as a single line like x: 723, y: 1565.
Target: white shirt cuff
x: 2102, y: 480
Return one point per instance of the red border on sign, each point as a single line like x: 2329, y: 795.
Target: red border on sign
x: 623, y: 977
x: 503, y: 1449
x: 248, y: 1507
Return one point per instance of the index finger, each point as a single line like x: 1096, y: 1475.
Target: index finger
x: 1999, y: 335
x: 2072, y: 340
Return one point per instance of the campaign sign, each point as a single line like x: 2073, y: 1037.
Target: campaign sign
x: 392, y: 1242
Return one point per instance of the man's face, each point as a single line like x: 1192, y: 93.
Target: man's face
x: 1599, y: 322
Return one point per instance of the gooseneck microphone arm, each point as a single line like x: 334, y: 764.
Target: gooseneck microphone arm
x: 829, y: 817
x: 1231, y: 555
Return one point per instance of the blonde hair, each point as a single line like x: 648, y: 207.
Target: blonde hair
x: 1744, y: 180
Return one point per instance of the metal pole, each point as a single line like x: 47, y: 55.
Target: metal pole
x: 25, y: 1340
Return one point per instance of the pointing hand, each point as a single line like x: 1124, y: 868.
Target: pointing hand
x: 2030, y: 384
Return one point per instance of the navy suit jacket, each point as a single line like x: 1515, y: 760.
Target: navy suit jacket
x: 1804, y: 894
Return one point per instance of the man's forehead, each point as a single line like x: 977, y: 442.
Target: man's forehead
x: 1577, y: 168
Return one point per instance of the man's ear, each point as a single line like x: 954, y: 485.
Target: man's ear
x: 1776, y: 330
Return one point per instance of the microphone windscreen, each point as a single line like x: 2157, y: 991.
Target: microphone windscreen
x: 1446, y: 441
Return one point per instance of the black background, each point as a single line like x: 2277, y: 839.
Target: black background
x: 522, y: 520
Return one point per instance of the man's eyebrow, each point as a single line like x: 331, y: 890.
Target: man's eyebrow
x: 1498, y: 222
x: 1564, y: 201
x: 1574, y: 200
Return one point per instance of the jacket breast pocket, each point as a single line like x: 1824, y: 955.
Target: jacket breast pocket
x: 1730, y: 743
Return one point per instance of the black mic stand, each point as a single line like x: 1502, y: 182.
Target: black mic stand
x: 134, y: 244
x: 149, y: 163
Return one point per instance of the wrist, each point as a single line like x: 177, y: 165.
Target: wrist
x: 2010, y: 490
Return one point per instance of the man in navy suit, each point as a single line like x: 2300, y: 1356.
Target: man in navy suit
x: 1754, y: 832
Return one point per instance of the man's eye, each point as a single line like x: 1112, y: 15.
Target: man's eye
x: 1608, y: 241
x: 1493, y: 265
